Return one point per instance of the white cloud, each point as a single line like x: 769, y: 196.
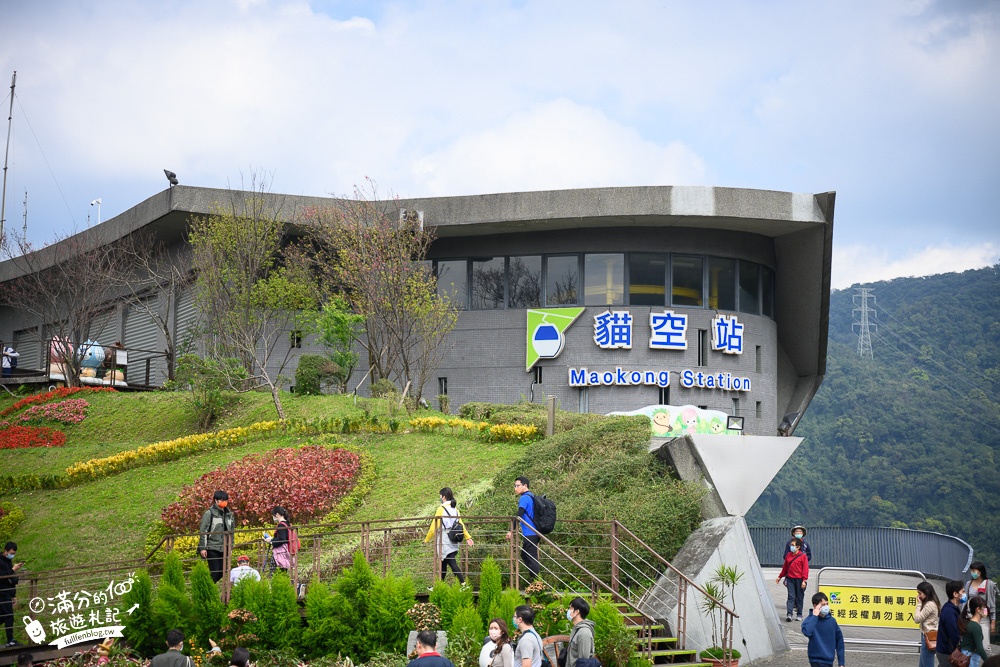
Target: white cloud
x: 859, y: 264
x: 559, y: 144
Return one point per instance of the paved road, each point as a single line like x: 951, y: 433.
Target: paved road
x: 866, y: 647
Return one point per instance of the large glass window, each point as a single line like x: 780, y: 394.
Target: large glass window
x: 604, y: 276
x: 562, y: 280
x: 647, y: 277
x: 686, y: 286
x: 749, y: 288
x: 487, y: 283
x: 525, y: 282
x: 721, y: 283
x: 766, y: 292
x: 453, y: 281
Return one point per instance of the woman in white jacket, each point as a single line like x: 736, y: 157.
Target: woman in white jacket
x: 444, y: 520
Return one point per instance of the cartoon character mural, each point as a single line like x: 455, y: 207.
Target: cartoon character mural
x: 91, y: 358
x: 60, y: 354
x: 670, y: 421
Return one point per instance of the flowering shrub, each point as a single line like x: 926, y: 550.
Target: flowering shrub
x: 495, y: 433
x: 62, y: 392
x: 19, y: 437
x: 307, y: 481
x: 169, y: 450
x: 10, y: 517
x: 425, y: 616
x: 70, y: 411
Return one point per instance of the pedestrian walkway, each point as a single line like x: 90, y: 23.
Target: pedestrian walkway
x: 866, y: 647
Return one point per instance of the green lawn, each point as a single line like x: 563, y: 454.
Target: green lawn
x: 123, y: 421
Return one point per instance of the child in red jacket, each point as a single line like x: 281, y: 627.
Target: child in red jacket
x: 795, y: 572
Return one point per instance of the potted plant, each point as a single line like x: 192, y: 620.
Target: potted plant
x: 720, y: 588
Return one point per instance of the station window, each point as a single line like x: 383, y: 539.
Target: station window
x: 488, y: 283
x: 736, y: 407
x: 562, y: 280
x: 295, y: 338
x: 664, y: 398
x: 749, y: 288
x: 758, y: 359
x: 453, y: 281
x: 525, y: 282
x: 442, y: 386
x: 604, y: 279
x: 758, y: 412
x: 647, y: 276
x: 538, y: 374
x: 766, y: 292
x: 702, y: 347
x: 686, y: 281
x: 721, y: 283
x: 584, y: 400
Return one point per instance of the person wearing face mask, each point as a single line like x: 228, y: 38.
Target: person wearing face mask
x: 799, y: 532
x: 8, y: 589
x: 948, y: 634
x: 173, y: 657
x: 581, y: 637
x: 980, y: 585
x: 795, y: 572
x: 529, y: 647
x: 927, y: 614
x: 497, y: 652
x: 217, y: 525
x: 973, y: 642
x: 826, y: 641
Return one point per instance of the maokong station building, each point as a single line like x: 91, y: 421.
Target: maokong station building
x: 609, y: 299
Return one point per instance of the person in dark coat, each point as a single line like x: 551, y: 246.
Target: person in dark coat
x: 800, y: 533
x: 217, y: 525
x: 949, y: 636
x: 8, y: 589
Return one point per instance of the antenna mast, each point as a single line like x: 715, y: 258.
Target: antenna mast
x: 861, y: 297
x: 3, y: 198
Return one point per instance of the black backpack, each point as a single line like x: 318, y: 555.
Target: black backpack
x: 545, y: 514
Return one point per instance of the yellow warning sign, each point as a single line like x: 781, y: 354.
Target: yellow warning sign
x: 872, y: 607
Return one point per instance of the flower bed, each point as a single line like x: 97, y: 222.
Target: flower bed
x: 22, y: 437
x: 70, y: 411
x: 48, y: 396
x: 483, y: 430
x: 307, y: 481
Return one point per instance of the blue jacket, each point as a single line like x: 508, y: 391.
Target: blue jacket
x: 826, y: 641
x: 948, y: 634
x: 432, y: 659
x: 526, y: 510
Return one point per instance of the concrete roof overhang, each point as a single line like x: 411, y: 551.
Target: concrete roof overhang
x: 801, y: 226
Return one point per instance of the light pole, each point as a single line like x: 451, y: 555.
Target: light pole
x: 98, y: 202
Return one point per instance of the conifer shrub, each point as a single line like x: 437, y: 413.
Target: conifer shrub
x: 614, y: 643
x: 449, y: 598
x: 490, y: 588
x: 140, y: 627
x: 207, y: 603
x: 504, y: 607
x: 465, y: 637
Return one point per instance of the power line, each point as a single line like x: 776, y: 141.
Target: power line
x: 864, y: 323
x: 44, y: 157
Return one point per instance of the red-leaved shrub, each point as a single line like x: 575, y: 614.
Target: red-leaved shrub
x: 307, y: 481
x: 62, y: 392
x: 19, y: 437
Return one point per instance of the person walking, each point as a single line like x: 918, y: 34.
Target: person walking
x: 497, y: 652
x: 217, y: 525
x: 949, y: 635
x: 8, y: 589
x: 529, y: 536
x: 173, y: 657
x: 280, y: 555
x: 795, y: 572
x: 581, y: 637
x: 9, y: 360
x: 926, y: 613
x: 445, y: 520
x: 800, y: 533
x: 427, y: 655
x: 529, y: 650
x: 826, y: 639
x: 972, y: 632
x: 979, y: 584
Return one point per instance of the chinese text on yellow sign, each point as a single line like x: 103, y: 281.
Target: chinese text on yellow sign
x: 872, y: 607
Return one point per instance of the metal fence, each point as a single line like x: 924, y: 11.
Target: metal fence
x: 934, y: 554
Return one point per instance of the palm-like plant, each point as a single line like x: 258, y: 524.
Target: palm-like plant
x: 720, y: 593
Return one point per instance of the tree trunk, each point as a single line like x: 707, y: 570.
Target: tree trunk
x: 276, y: 396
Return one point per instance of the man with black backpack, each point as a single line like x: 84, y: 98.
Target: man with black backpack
x: 532, y: 511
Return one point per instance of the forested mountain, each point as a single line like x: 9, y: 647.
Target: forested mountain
x: 910, y: 439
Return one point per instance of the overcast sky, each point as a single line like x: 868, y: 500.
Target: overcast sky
x: 893, y: 104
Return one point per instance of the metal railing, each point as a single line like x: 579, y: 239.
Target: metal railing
x: 590, y: 558
x: 122, y: 366
x: 880, y: 548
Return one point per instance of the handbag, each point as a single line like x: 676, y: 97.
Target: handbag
x: 959, y: 659
x: 930, y: 639
x: 456, y: 533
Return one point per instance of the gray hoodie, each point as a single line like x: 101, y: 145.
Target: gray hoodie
x: 581, y: 642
